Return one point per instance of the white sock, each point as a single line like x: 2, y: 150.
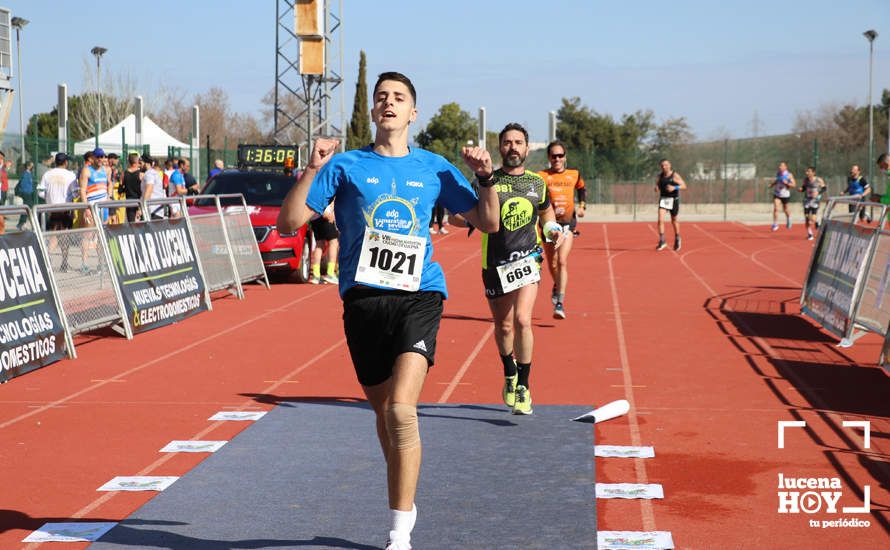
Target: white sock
x: 403, y: 524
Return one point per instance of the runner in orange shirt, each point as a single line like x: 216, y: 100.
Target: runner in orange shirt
x: 561, y: 184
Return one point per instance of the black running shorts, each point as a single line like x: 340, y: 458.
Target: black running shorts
x: 324, y: 230
x: 380, y: 325
x: 60, y: 220
x: 675, y: 209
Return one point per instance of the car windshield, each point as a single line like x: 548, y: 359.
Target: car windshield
x: 259, y: 189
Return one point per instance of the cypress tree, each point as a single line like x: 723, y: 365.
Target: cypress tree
x: 359, y: 132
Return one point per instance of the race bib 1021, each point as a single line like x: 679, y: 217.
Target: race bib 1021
x: 391, y: 260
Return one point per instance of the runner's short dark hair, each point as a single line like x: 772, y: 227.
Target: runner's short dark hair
x: 555, y: 143
x: 885, y: 157
x: 813, y: 168
x: 513, y: 126
x: 398, y: 77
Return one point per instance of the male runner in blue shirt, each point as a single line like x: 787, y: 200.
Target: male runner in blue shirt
x: 392, y: 291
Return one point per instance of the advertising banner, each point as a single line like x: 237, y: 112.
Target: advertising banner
x: 155, y: 263
x: 836, y: 275
x: 31, y: 333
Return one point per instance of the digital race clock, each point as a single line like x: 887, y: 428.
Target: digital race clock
x: 265, y: 155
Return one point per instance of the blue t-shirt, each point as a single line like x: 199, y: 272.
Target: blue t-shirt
x: 176, y: 178
x: 856, y: 186
x: 394, y: 194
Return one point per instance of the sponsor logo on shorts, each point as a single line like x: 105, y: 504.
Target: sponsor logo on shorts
x: 420, y: 345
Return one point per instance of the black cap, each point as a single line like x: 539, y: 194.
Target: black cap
x: 61, y: 158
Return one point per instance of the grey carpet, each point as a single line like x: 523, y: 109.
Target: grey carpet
x: 311, y: 475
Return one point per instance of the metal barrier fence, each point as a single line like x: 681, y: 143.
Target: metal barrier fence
x: 81, y: 268
x: 214, y: 246
x: 87, y: 276
x: 847, y: 283
x: 245, y: 249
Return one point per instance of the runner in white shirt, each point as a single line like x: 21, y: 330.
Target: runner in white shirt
x: 782, y: 186
x: 153, y: 187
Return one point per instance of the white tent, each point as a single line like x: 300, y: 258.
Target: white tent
x: 152, y: 135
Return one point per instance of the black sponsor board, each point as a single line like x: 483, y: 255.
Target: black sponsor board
x: 157, y: 269
x: 836, y: 275
x: 31, y: 332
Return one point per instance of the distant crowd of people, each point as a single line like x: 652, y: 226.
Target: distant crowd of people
x: 100, y: 178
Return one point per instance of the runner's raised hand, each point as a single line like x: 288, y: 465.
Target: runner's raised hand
x: 322, y: 151
x: 478, y: 160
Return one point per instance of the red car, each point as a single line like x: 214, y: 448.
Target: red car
x: 264, y: 193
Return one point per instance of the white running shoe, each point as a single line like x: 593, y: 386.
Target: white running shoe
x: 775, y: 227
x: 398, y: 545
x: 443, y: 231
x: 433, y: 231
x: 330, y: 279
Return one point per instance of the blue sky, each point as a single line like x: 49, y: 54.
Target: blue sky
x: 715, y: 63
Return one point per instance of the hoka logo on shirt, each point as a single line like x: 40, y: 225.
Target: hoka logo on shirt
x: 516, y: 212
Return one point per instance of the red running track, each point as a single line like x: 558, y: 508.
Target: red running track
x: 707, y: 344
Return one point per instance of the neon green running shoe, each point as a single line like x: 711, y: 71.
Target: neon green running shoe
x: 523, y: 404
x: 509, y: 392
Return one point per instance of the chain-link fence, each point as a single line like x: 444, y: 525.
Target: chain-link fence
x: 728, y: 171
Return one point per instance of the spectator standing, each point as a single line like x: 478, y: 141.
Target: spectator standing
x: 131, y: 182
x: 152, y: 187
x: 56, y: 187
x: 191, y: 184
x: 4, y: 180
x: 218, y: 167
x: 176, y: 187
x: 25, y: 190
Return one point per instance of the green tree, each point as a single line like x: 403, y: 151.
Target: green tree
x: 623, y: 148
x: 44, y: 125
x: 358, y: 134
x: 448, y: 131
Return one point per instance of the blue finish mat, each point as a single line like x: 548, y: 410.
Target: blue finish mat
x: 311, y: 475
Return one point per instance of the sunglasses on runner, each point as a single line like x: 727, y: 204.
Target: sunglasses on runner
x: 558, y: 156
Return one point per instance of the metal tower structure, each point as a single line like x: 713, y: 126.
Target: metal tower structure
x: 307, y: 106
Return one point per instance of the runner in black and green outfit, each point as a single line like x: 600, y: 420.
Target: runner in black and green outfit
x: 511, y: 260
